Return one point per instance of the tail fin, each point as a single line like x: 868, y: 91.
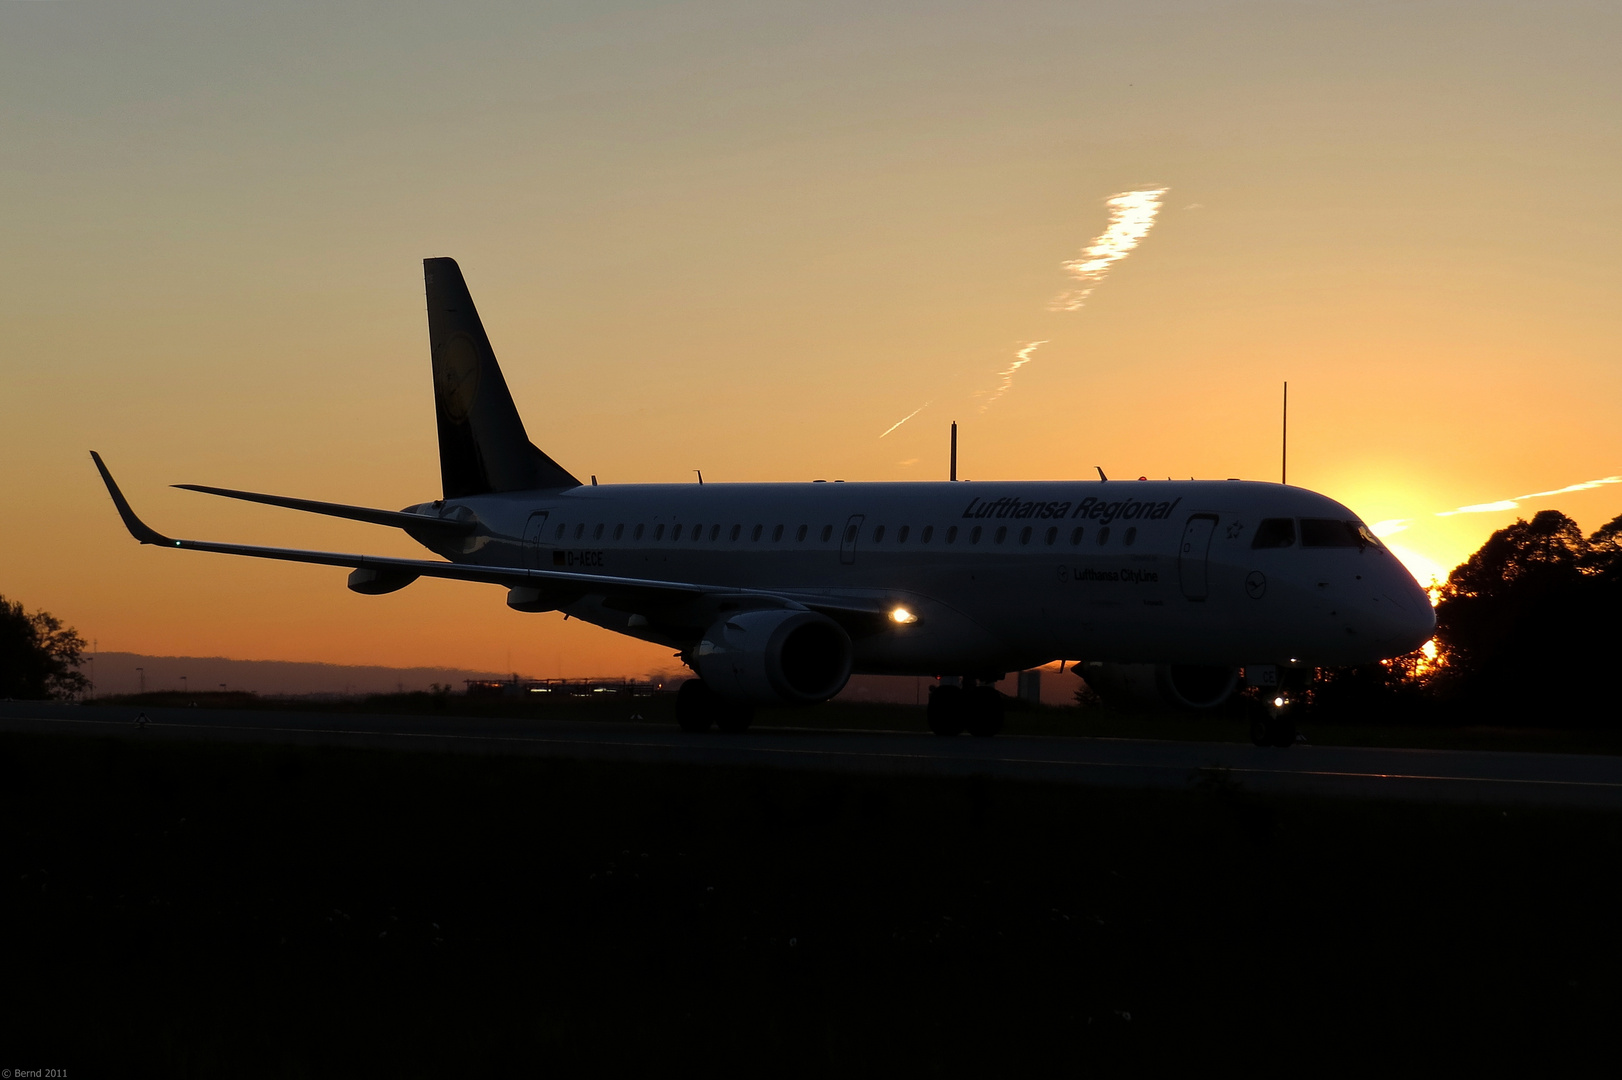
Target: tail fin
x: 482, y: 444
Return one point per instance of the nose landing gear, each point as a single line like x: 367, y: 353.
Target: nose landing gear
x: 1271, y: 725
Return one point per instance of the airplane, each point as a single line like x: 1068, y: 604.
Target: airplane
x: 776, y: 593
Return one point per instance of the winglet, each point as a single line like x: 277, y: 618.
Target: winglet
x: 135, y: 525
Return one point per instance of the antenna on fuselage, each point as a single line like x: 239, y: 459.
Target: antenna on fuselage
x: 1284, y: 451
x: 952, y: 475
x: 1102, y: 478
x: 700, y: 477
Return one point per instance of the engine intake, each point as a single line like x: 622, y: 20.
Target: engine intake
x: 774, y: 657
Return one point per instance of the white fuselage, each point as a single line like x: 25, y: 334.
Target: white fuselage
x: 1000, y: 576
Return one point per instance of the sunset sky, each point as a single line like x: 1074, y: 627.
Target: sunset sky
x: 750, y: 239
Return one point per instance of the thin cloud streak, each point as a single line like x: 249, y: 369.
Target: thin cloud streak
x: 1132, y: 215
x: 1021, y: 358
x: 909, y: 416
x: 1515, y: 503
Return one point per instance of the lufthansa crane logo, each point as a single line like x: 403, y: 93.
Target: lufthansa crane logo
x: 456, y: 376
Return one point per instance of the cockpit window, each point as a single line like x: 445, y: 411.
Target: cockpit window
x: 1274, y: 533
x: 1327, y: 532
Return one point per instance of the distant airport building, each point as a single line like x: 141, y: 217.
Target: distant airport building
x: 578, y: 688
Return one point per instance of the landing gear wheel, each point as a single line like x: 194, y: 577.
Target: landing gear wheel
x: 946, y: 710
x: 695, y: 706
x: 985, y: 712
x: 1268, y: 728
x: 733, y: 717
x: 1282, y: 730
x: 1260, y: 722
x: 1260, y: 731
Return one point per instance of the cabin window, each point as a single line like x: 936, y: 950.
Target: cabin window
x: 675, y: 534
x: 1053, y: 534
x: 559, y: 535
x: 1327, y: 532
x: 736, y: 529
x: 580, y: 530
x: 1002, y: 533
x: 951, y: 534
x: 827, y: 533
x: 974, y: 535
x: 799, y: 534
x: 1274, y: 533
x: 698, y: 533
x: 597, y: 533
x: 755, y: 535
x: 1103, y: 536
x: 1075, y: 535
x: 638, y: 534
x: 1130, y: 537
x: 715, y: 533
x: 658, y: 532
x: 777, y: 534
x: 901, y: 534
x: 878, y: 533
x: 619, y: 531
x: 927, y: 535
x: 1025, y: 535
x: 850, y: 535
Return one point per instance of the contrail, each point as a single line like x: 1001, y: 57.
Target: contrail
x: 1021, y: 358
x: 1131, y: 216
x: 909, y: 416
x: 1515, y: 503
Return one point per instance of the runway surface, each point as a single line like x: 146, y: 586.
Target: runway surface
x: 1425, y: 775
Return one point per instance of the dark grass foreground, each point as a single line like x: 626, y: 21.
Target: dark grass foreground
x: 212, y: 910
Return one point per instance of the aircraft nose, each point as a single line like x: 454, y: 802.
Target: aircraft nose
x: 1407, y: 618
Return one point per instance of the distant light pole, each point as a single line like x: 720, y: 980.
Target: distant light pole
x: 183, y: 688
x: 141, y: 671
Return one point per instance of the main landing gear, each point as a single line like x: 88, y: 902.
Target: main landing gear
x: 956, y: 709
x: 697, y: 707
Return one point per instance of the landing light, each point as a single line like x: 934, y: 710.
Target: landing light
x: 1278, y: 703
x: 903, y: 616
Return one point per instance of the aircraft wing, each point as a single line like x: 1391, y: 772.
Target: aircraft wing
x: 619, y: 591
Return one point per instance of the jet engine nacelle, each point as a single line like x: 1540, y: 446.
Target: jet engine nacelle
x: 774, y: 657
x: 1185, y: 686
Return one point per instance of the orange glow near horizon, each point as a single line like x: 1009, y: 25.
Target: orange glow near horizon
x: 745, y: 245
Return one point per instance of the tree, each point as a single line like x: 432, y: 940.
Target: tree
x: 39, y: 657
x: 1528, y: 624
x: 1605, y: 549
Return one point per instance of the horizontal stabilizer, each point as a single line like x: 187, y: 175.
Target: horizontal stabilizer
x: 394, y: 518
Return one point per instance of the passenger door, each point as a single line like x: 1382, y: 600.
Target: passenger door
x: 847, y: 540
x: 1193, y: 556
x: 533, y: 530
